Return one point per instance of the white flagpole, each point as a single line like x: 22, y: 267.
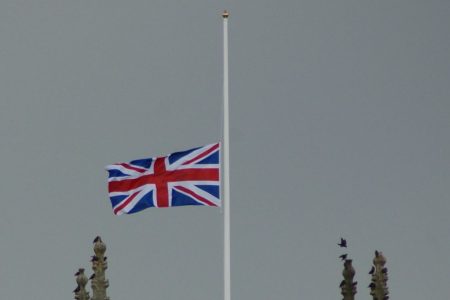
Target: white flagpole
x: 226, y: 166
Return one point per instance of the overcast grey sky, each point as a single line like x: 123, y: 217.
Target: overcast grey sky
x: 340, y: 122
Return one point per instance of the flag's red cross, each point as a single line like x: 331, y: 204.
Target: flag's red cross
x: 160, y: 178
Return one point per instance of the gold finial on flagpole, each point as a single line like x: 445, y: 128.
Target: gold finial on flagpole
x: 225, y: 14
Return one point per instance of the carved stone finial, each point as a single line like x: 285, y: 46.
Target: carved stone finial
x: 378, y: 286
x: 99, y: 265
x: 379, y: 259
x: 80, y: 290
x: 348, y: 286
x: 99, y: 246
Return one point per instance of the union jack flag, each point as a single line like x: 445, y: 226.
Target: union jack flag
x: 189, y: 177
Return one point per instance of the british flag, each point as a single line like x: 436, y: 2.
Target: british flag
x: 190, y: 177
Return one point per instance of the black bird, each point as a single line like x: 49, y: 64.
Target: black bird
x: 97, y: 238
x: 76, y: 290
x: 77, y: 273
x: 343, y: 243
x: 384, y: 270
x: 355, y: 283
x: 105, y: 258
x: 371, y: 285
x: 343, y: 256
x: 372, y: 270
x: 92, y: 276
x: 347, y: 262
x: 94, y: 258
x: 342, y: 283
x: 377, y: 253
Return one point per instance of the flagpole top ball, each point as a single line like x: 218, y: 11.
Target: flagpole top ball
x: 225, y: 14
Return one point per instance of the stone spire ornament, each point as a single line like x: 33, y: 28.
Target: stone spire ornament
x: 348, y: 286
x: 378, y: 286
x: 98, y: 282
x: 80, y: 290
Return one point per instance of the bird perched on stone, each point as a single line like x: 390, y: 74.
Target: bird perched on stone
x: 348, y: 262
x: 97, y: 239
x: 92, y: 276
x: 76, y: 290
x: 342, y: 283
x: 343, y: 243
x: 94, y: 258
x: 372, y: 270
x: 343, y: 256
x: 377, y: 253
x: 384, y: 270
x: 371, y: 285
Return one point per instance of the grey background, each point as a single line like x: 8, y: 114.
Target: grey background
x: 340, y: 120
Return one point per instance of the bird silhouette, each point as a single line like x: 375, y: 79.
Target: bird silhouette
x: 94, y: 258
x: 372, y: 270
x: 343, y: 256
x: 384, y: 270
x: 76, y: 290
x: 342, y: 283
x: 92, y: 276
x: 343, y: 243
x: 377, y: 253
x: 97, y: 238
x: 371, y: 285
